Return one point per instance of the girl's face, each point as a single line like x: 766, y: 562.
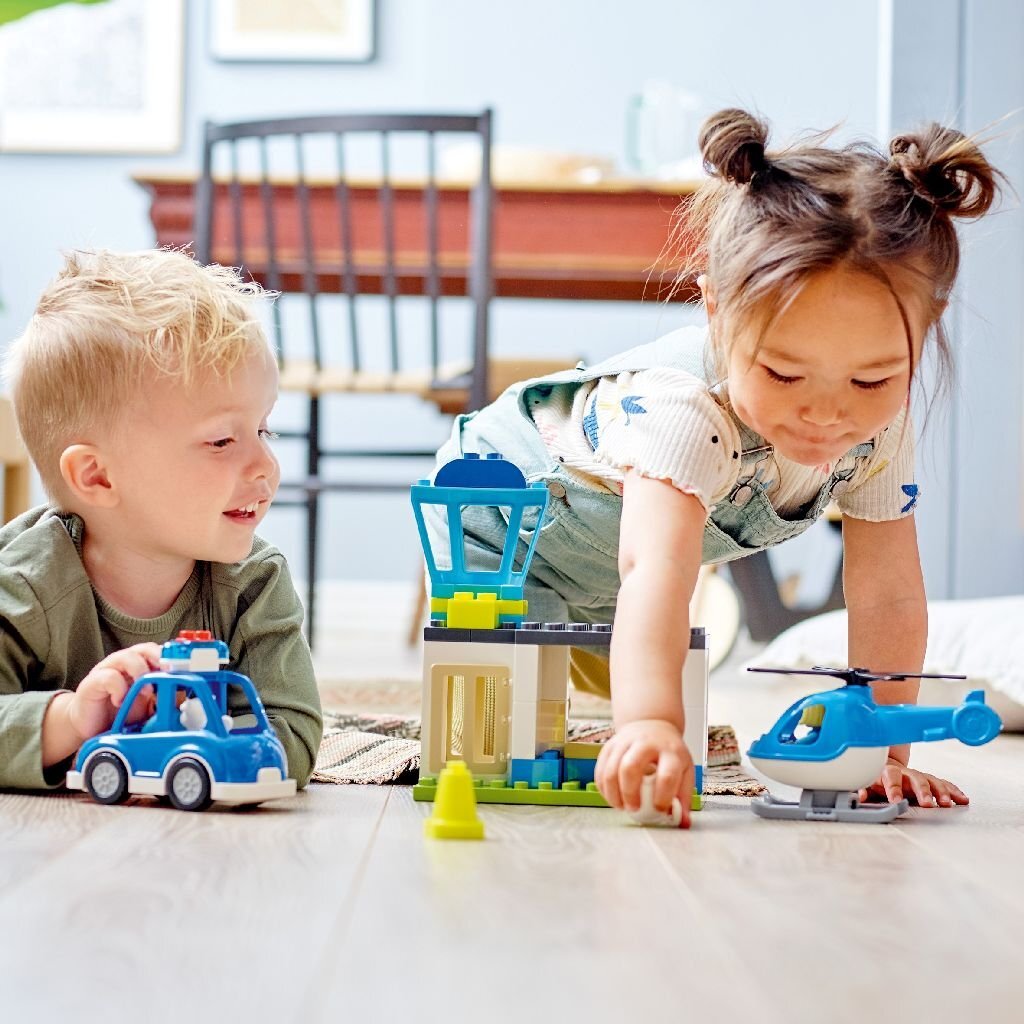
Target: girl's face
x: 831, y: 372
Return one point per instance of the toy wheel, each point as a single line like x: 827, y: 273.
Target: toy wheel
x: 106, y: 779
x: 975, y: 724
x: 188, y: 785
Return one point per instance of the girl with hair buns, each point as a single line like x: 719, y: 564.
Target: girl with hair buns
x: 825, y: 272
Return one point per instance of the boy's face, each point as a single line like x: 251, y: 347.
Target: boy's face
x: 194, y: 472
x: 831, y: 372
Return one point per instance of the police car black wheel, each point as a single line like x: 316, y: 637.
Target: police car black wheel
x: 106, y: 779
x: 188, y: 785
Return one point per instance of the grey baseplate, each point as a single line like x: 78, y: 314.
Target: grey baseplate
x: 826, y: 805
x: 539, y: 634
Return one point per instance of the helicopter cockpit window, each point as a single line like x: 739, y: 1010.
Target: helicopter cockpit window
x: 804, y: 725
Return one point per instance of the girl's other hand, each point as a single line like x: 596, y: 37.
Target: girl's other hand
x: 898, y: 781
x: 634, y: 748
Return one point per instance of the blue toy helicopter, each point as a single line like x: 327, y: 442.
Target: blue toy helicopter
x: 835, y: 743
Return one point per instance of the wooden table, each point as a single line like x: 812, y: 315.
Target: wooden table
x: 610, y: 241
x: 551, y: 240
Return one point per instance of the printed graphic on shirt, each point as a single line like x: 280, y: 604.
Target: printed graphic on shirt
x: 603, y: 411
x: 590, y: 423
x: 631, y: 406
x: 910, y: 490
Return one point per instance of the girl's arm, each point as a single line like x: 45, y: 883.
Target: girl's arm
x: 659, y: 556
x: 888, y: 613
x: 888, y: 631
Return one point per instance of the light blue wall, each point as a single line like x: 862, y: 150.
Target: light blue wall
x: 559, y: 75
x: 962, y: 65
x: 986, y: 548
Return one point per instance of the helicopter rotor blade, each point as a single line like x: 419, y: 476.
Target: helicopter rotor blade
x: 861, y: 674
x: 918, y: 675
x: 818, y: 670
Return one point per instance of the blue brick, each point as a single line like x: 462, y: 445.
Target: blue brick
x: 579, y: 769
x: 546, y: 768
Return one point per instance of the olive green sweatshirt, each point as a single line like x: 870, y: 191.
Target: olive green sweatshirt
x: 54, y: 628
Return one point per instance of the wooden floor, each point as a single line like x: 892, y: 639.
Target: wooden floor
x: 333, y: 907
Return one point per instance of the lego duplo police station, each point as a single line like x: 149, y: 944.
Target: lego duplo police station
x: 496, y: 684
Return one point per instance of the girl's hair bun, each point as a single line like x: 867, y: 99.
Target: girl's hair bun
x: 732, y: 144
x: 946, y: 169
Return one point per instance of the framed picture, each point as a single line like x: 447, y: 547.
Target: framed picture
x: 293, y: 30
x: 96, y: 77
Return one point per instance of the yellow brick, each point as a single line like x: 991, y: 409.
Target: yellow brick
x: 551, y: 721
x: 512, y: 607
x: 583, y: 751
x: 473, y: 611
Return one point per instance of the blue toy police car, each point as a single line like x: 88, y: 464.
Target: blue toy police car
x: 190, y: 751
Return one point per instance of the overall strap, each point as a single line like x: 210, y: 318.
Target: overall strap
x: 682, y: 349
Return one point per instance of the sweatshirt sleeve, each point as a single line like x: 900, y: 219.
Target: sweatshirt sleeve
x: 267, y: 645
x: 23, y: 643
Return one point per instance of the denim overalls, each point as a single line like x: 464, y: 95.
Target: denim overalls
x: 574, y: 574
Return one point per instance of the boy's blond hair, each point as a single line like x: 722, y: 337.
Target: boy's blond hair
x: 109, y: 321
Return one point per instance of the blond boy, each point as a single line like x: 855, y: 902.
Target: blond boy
x: 142, y: 387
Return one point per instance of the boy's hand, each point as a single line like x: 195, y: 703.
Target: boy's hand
x: 897, y: 781
x: 92, y: 707
x: 624, y: 759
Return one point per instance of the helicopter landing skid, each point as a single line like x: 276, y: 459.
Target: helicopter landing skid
x: 826, y: 805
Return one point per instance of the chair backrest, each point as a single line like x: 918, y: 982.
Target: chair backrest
x: 331, y: 207
x: 15, y: 462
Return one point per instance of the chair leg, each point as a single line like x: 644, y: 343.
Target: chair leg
x: 312, y: 522
x: 764, y: 612
x: 415, y: 632
x: 312, y: 516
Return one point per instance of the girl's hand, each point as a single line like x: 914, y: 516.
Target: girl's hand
x: 897, y: 781
x: 624, y: 760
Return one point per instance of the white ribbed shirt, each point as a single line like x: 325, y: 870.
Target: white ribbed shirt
x: 664, y: 423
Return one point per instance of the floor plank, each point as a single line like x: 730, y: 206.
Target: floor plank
x: 562, y: 912
x: 918, y: 919
x: 333, y: 906
x: 853, y: 922
x: 203, y: 916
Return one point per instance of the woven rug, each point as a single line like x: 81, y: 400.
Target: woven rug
x: 380, y: 749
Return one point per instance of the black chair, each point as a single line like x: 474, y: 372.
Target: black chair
x: 765, y: 612
x: 332, y: 209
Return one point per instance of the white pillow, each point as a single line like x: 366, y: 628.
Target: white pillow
x: 982, y: 639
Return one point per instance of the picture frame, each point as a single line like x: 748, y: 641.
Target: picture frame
x: 93, y: 78
x: 299, y: 31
